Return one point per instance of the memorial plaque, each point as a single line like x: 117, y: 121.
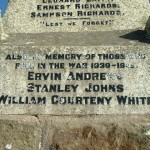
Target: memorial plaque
x: 69, y: 80
x: 38, y: 16
x: 75, y: 80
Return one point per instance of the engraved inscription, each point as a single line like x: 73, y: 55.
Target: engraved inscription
x: 77, y: 12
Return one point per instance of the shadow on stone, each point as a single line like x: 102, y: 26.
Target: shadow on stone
x: 138, y: 35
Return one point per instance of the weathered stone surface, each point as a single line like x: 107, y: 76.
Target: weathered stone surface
x: 102, y: 132
x: 19, y: 133
x: 107, y: 38
x: 22, y: 54
x: 15, y: 81
x: 96, y: 133
x: 3, y: 36
x: 75, y: 16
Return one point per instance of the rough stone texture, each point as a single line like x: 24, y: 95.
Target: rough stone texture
x: 113, y: 38
x: 74, y: 132
x: 96, y: 133
x: 132, y: 14
x: 14, y: 81
x: 19, y: 133
x: 3, y: 36
x: 103, y: 132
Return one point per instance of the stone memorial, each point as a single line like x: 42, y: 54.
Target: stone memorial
x: 75, y: 75
x: 39, y: 16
